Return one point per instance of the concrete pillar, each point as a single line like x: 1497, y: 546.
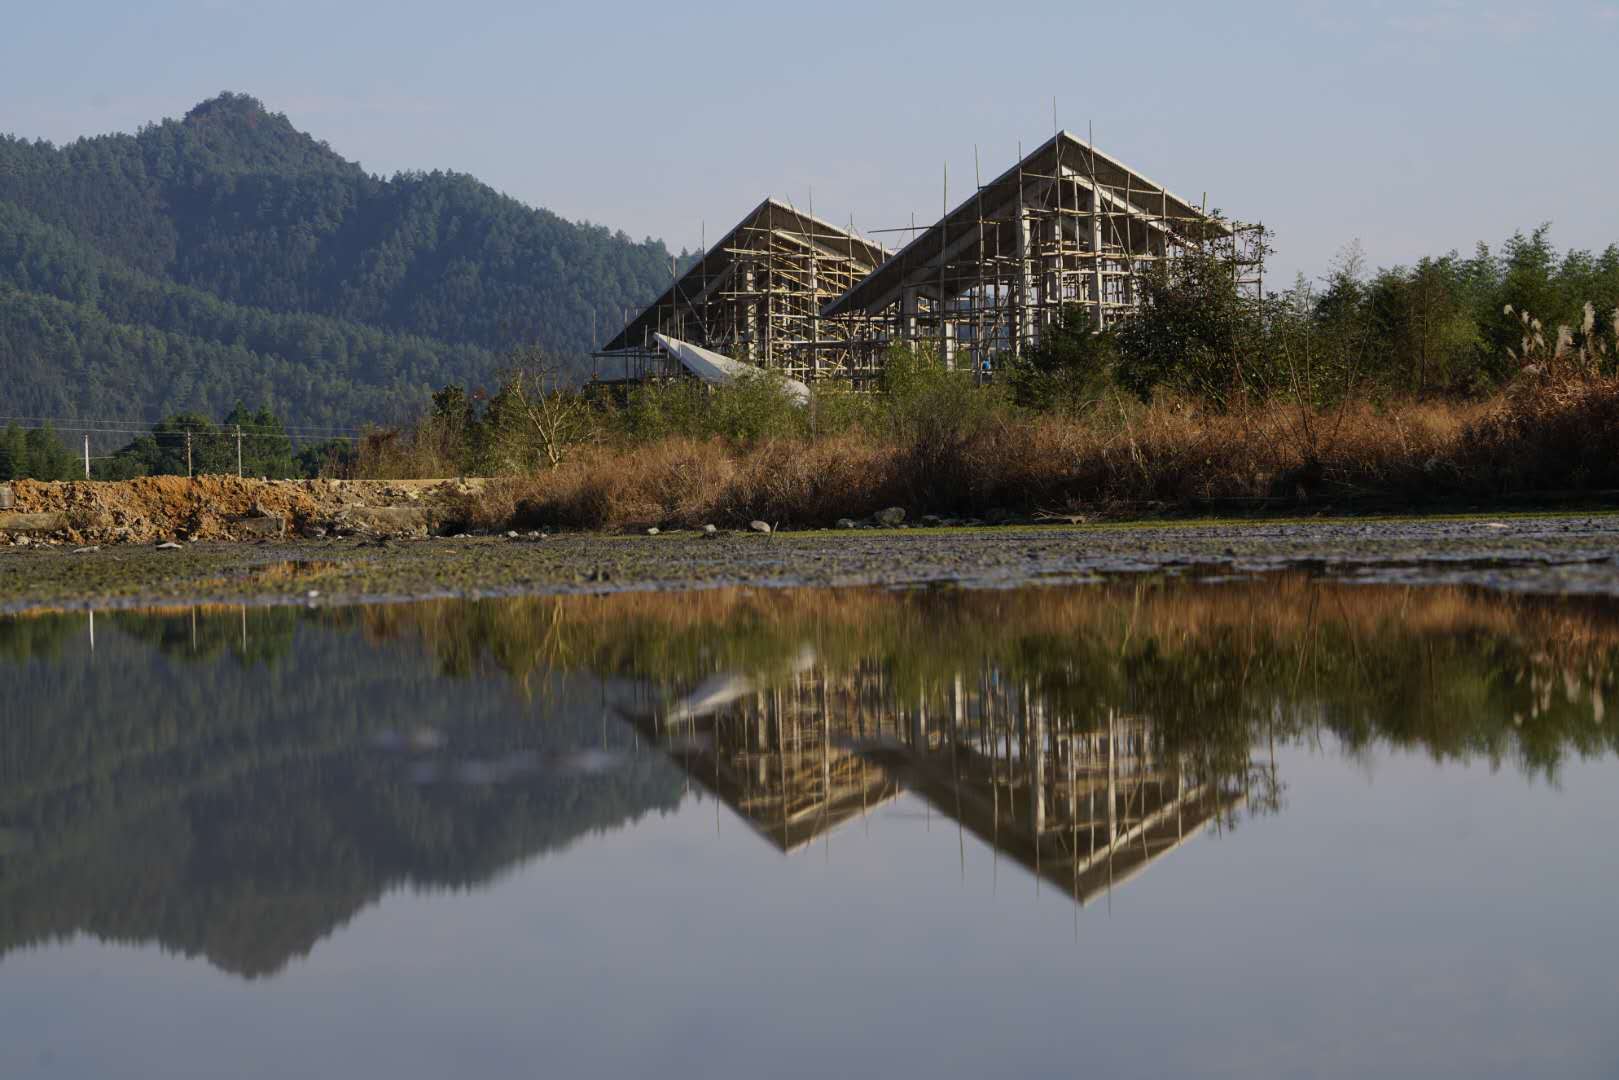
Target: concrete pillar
x: 1050, y: 278
x: 1037, y: 790
x: 1096, y: 266
x: 1025, y: 278
x: 750, y: 315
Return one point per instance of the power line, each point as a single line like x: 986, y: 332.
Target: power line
x: 123, y: 425
x: 139, y: 419
x: 181, y: 434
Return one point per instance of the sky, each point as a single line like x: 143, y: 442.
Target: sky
x: 1409, y: 127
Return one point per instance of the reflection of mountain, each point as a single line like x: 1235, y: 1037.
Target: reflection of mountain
x: 238, y: 783
x: 243, y: 812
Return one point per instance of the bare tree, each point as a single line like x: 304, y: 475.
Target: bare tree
x: 553, y: 416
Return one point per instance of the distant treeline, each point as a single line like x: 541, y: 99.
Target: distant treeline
x: 251, y: 442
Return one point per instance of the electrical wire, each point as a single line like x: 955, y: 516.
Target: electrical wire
x: 80, y: 423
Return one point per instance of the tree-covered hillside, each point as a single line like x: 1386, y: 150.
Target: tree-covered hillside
x: 229, y: 256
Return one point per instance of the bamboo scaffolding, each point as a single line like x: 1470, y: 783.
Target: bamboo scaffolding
x: 1080, y: 799
x: 1065, y: 226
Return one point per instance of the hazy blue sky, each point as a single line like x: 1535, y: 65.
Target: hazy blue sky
x: 1414, y: 126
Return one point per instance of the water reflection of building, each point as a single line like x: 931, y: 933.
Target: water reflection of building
x: 792, y: 765
x: 1083, y: 802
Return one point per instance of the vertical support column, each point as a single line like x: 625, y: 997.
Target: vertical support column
x: 750, y: 312
x: 1024, y: 285
x: 978, y: 351
x: 1051, y: 279
x: 1096, y: 261
x: 814, y: 334
x: 1037, y: 751
x: 907, y: 316
x: 761, y: 736
x: 1112, y: 780
x: 765, y: 280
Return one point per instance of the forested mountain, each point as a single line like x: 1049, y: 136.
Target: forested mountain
x: 229, y: 256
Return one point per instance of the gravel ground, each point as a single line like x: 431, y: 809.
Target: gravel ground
x: 1552, y: 554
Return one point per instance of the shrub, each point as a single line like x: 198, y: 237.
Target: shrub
x: 756, y: 406
x: 1193, y: 332
x: 1069, y: 369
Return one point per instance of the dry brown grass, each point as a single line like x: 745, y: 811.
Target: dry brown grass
x: 1547, y: 435
x: 424, y: 452
x: 1118, y: 456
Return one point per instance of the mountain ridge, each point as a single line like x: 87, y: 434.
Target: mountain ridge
x: 233, y: 203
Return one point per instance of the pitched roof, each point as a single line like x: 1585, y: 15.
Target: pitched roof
x: 712, y: 270
x: 1128, y: 191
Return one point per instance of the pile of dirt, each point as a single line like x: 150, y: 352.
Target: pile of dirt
x: 156, y: 508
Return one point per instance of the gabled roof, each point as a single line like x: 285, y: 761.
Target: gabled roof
x: 1080, y: 862
x: 1123, y: 188
x: 710, y: 272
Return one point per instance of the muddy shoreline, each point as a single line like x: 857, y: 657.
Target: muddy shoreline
x: 1576, y: 553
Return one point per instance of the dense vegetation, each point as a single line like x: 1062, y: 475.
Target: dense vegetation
x: 1458, y: 378
x: 248, y: 442
x: 228, y: 257
x: 1448, y: 327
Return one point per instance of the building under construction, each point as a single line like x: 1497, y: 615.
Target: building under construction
x: 1067, y: 226
x: 756, y: 296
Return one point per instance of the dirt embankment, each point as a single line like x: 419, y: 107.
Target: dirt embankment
x: 158, y: 508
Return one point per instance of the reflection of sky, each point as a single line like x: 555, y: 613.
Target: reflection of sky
x: 1423, y: 921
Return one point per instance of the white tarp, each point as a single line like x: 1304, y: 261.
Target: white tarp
x: 711, y: 367
x: 719, y: 691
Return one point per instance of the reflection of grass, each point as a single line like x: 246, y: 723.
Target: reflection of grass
x: 207, y: 631
x: 24, y: 639
x: 1457, y: 672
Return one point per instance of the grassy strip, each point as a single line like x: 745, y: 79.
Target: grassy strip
x: 1541, y: 442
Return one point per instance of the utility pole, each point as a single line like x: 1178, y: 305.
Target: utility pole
x: 188, y: 453
x: 238, y: 451
x: 87, y: 455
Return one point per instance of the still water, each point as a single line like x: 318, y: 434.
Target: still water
x: 1260, y: 828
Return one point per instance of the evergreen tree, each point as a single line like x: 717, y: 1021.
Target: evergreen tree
x: 13, y: 453
x: 266, y: 449
x: 47, y: 458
